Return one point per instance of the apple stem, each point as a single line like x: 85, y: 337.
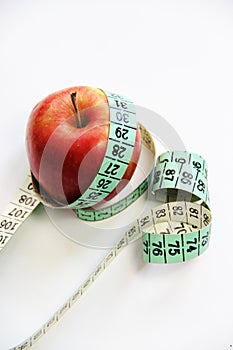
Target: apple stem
x: 78, y: 119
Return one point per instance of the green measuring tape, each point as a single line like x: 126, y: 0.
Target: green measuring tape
x: 175, y: 231
x: 178, y: 230
x: 120, y: 146
x: 111, y: 210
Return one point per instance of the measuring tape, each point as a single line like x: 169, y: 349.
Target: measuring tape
x: 178, y: 230
x: 175, y: 231
x: 111, y: 210
x: 120, y: 146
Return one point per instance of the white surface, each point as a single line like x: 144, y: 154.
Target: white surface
x: 174, y: 57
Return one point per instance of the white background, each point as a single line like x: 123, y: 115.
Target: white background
x: 174, y: 57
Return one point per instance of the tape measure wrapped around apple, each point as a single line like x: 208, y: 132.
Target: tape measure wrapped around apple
x: 83, y: 146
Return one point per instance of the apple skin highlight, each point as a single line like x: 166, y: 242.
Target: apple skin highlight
x: 64, y: 159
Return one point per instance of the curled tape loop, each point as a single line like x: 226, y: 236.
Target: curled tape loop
x: 175, y: 231
x: 178, y: 230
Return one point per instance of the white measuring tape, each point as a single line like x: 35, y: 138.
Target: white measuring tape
x: 175, y: 231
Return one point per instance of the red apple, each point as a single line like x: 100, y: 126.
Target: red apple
x: 66, y: 140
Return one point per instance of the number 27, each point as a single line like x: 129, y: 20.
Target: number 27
x: 112, y: 169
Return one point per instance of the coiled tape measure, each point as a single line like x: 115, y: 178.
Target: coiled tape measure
x: 175, y: 231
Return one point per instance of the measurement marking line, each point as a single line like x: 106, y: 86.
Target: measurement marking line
x: 164, y: 249
x: 195, y: 181
x: 21, y: 206
x: 111, y: 177
x: 98, y: 190
x: 6, y: 231
x: 118, y: 123
x: 169, y: 211
x: 130, y: 127
x: 10, y: 217
x: 124, y: 125
x: 127, y: 144
x: 23, y: 190
x: 182, y: 239
x: 124, y: 110
x: 199, y: 242
x: 118, y: 160
x: 162, y: 174
x: 115, y: 140
x: 189, y: 158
